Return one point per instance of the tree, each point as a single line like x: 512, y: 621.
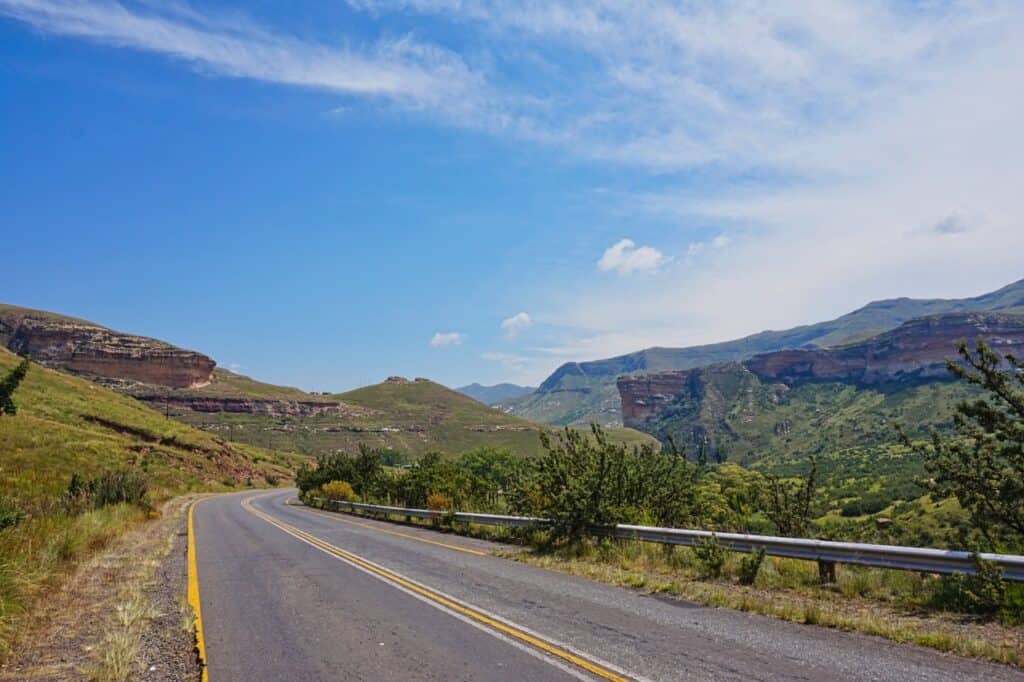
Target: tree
x: 789, y: 502
x: 581, y: 481
x: 983, y: 465
x: 8, y: 386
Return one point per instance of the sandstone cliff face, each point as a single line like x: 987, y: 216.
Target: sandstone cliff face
x: 918, y: 349
x: 265, y: 407
x: 78, y: 346
x: 645, y: 395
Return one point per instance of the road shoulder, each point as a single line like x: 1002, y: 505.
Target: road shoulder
x: 121, y: 615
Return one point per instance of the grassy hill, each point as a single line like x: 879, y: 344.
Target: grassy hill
x: 413, y: 417
x: 578, y: 392
x: 66, y: 426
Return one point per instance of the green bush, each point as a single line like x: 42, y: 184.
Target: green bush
x: 710, y: 556
x: 10, y: 514
x: 750, y: 565
x: 113, y: 487
x: 581, y: 482
x: 986, y: 593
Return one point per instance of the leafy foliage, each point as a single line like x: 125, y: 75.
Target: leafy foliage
x: 789, y: 502
x: 711, y: 557
x: 10, y: 514
x: 581, y: 482
x: 112, y: 487
x: 984, y: 465
x: 8, y: 386
x: 750, y: 566
x: 338, y: 490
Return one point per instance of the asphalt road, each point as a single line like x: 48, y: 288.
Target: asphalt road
x: 290, y: 593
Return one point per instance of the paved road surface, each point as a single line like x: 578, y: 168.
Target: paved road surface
x: 290, y: 593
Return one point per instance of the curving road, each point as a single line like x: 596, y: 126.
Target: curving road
x: 290, y: 593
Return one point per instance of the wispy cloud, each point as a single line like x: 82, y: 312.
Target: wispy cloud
x: 401, y: 70
x: 624, y: 257
x: 513, y: 325
x: 442, y: 339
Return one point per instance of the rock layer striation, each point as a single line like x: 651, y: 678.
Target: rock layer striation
x: 86, y: 348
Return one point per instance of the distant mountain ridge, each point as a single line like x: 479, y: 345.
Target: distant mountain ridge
x: 490, y: 395
x: 841, y: 403
x: 579, y: 392
x: 413, y: 416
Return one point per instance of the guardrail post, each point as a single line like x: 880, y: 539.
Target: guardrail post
x: 827, y: 572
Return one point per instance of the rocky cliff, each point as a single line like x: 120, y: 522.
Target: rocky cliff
x: 89, y: 349
x: 916, y: 350
x: 252, y: 406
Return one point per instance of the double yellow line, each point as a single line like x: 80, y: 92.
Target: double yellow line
x: 334, y: 516
x: 466, y: 611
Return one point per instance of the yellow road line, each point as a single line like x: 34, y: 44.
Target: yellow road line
x: 446, y: 545
x: 193, y: 596
x: 506, y: 629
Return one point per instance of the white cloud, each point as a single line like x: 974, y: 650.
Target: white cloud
x: 625, y: 258
x: 954, y: 223
x: 515, y: 324
x: 404, y: 71
x: 442, y: 339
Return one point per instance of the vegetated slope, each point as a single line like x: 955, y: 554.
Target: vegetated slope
x: 841, y: 405
x: 490, y: 395
x: 412, y: 417
x: 578, y: 392
x: 66, y: 425
x: 187, y: 386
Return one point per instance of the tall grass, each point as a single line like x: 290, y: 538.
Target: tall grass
x: 38, y: 552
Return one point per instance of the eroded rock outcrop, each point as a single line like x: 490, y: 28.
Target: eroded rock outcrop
x: 257, y: 406
x: 915, y: 350
x: 86, y: 348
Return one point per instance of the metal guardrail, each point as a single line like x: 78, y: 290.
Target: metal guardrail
x: 825, y: 552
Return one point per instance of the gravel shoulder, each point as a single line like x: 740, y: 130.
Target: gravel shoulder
x: 121, y: 615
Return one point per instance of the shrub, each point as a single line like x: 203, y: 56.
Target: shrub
x: 8, y: 384
x: 582, y: 482
x: 789, y: 502
x: 10, y: 514
x: 711, y: 557
x: 986, y: 593
x: 340, y: 491
x: 750, y: 565
x: 113, y: 487
x: 438, y: 502
x: 271, y: 479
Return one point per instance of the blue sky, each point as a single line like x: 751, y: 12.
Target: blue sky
x: 324, y: 194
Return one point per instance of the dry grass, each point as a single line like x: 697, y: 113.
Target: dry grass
x: 91, y: 626
x: 870, y: 601
x: 864, y: 600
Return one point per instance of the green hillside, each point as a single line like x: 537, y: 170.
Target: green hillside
x: 67, y: 425
x: 578, y: 392
x: 412, y: 417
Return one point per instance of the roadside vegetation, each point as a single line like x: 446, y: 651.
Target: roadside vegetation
x: 80, y: 465
x: 969, y: 499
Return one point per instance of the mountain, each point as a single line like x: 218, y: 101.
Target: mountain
x: 413, y: 417
x: 792, y: 403
x: 579, y: 392
x: 491, y: 395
